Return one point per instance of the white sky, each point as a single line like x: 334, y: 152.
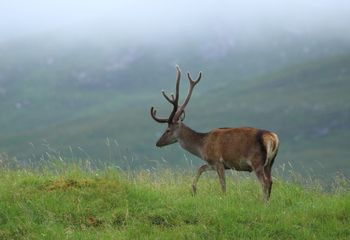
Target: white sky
x: 28, y: 17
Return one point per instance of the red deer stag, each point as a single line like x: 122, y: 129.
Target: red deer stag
x: 242, y: 149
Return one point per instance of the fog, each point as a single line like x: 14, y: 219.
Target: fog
x: 75, y: 73
x: 153, y: 20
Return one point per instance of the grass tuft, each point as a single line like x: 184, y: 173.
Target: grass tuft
x: 76, y: 203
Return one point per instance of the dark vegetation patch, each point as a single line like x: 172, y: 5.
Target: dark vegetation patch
x: 66, y: 184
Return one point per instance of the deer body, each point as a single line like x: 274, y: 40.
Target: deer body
x: 241, y: 149
x: 238, y: 148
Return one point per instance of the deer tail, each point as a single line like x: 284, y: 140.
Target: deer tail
x: 272, y: 145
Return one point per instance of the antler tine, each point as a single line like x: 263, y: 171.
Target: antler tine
x: 178, y: 76
x: 197, y: 80
x: 160, y: 120
x: 174, y: 100
x: 167, y: 98
x: 193, y: 83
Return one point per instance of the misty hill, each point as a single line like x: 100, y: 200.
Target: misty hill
x: 93, y: 101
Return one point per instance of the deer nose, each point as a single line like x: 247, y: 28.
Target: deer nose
x: 160, y: 143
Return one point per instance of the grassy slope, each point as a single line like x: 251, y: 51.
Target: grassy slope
x: 109, y: 204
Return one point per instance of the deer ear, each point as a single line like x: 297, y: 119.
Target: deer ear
x: 182, y: 117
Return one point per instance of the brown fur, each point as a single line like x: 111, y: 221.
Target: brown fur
x: 234, y: 146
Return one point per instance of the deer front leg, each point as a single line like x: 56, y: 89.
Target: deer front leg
x: 220, y: 168
x: 202, y: 169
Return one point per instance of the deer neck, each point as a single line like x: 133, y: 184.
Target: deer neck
x: 191, y: 140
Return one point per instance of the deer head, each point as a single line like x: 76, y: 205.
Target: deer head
x: 177, y: 115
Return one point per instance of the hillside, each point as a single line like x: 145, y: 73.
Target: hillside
x: 110, y: 204
x: 94, y: 104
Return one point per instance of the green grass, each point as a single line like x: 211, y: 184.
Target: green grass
x: 75, y: 202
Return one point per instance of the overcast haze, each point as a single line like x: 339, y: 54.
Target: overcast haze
x: 75, y: 73
x: 147, y: 18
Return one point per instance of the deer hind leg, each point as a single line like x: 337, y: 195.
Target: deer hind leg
x: 268, y: 180
x: 265, y: 182
x: 220, y: 168
x: 201, y: 170
x: 267, y: 173
x: 263, y: 174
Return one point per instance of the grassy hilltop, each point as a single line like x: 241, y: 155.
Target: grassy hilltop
x: 81, y: 203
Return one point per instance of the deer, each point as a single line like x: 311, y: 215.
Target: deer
x: 241, y: 149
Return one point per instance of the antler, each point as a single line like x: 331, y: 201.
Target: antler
x: 160, y: 120
x: 181, y: 110
x: 177, y: 113
x: 174, y: 100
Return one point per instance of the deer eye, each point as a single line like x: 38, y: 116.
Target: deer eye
x: 168, y: 130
